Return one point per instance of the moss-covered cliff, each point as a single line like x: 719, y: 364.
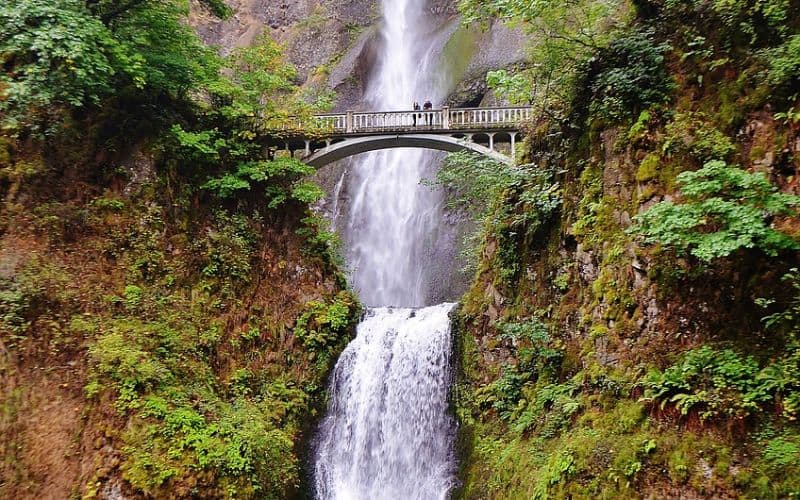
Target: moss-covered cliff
x: 169, y: 306
x: 596, y: 365
x: 155, y: 343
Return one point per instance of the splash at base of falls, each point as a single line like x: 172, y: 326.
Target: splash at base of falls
x: 388, y: 433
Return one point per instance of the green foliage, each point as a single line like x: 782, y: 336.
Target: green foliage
x: 13, y: 306
x: 229, y: 247
x: 563, y: 34
x: 174, y: 61
x: 722, y: 209
x: 711, y: 383
x: 68, y: 54
x: 550, y: 411
x: 538, y: 358
x: 781, y: 453
x: 738, y: 21
x: 522, y: 200
x: 253, y: 458
x: 535, y: 348
x: 278, y: 180
x: 123, y: 355
x: 784, y: 67
x: 322, y: 326
x: 504, y: 394
x: 717, y: 384
x: 693, y: 135
x: 632, y: 76
x: 61, y: 55
x: 321, y: 240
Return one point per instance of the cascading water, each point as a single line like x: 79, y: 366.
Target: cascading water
x: 388, y: 433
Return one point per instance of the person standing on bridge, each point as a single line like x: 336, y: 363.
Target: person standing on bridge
x: 428, y: 115
x: 414, y: 114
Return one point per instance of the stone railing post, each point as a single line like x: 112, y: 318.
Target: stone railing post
x: 349, y: 125
x: 446, y: 117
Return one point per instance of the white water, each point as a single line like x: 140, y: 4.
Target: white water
x: 393, y: 226
x: 388, y: 433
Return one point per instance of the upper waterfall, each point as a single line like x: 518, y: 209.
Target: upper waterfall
x: 396, y: 241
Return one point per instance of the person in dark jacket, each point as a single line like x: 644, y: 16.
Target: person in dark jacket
x: 428, y: 116
x: 414, y: 114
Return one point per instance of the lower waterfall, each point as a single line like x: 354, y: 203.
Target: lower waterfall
x: 388, y: 433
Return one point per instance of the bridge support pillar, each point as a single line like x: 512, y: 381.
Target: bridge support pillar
x: 327, y: 143
x: 308, y: 147
x: 491, y: 141
x: 446, y: 117
x: 513, y: 145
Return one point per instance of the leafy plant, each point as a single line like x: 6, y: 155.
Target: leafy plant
x: 62, y: 55
x: 503, y: 395
x: 563, y: 34
x: 722, y: 209
x: 67, y: 54
x: 632, y: 77
x: 322, y: 326
x: 536, y: 350
x: 229, y: 246
x: 710, y: 382
x: 784, y: 63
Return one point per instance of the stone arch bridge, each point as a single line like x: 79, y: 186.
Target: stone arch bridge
x: 338, y: 136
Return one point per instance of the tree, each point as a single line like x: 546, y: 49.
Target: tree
x: 58, y: 55
x: 564, y: 34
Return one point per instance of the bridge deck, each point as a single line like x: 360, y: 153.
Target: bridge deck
x: 334, y: 135
x: 445, y: 120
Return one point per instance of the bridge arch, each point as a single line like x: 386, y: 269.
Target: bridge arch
x: 357, y: 145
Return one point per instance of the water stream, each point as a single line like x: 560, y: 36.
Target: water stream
x: 388, y: 433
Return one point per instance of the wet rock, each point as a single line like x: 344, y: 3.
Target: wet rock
x: 586, y: 266
x: 112, y: 490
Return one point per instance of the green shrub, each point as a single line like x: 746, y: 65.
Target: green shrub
x: 784, y: 65
x: 62, y: 55
x: 238, y: 445
x: 275, y: 178
x: 321, y: 240
x: 322, y: 326
x: 504, y: 394
x: 632, y: 77
x: 740, y: 22
x: 550, y: 411
x: 711, y: 383
x: 722, y: 209
x: 229, y: 248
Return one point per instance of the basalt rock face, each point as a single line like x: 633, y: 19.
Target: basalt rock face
x: 327, y: 40
x: 333, y: 43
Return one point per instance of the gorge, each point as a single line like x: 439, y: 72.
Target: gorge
x: 188, y: 310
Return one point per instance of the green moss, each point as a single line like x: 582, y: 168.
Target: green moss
x: 648, y: 169
x: 458, y: 51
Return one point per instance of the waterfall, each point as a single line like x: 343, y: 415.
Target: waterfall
x: 388, y: 433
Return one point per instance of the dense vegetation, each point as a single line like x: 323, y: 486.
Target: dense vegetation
x: 162, y: 270
x: 636, y: 335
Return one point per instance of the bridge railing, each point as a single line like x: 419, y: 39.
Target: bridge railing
x: 437, y: 119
